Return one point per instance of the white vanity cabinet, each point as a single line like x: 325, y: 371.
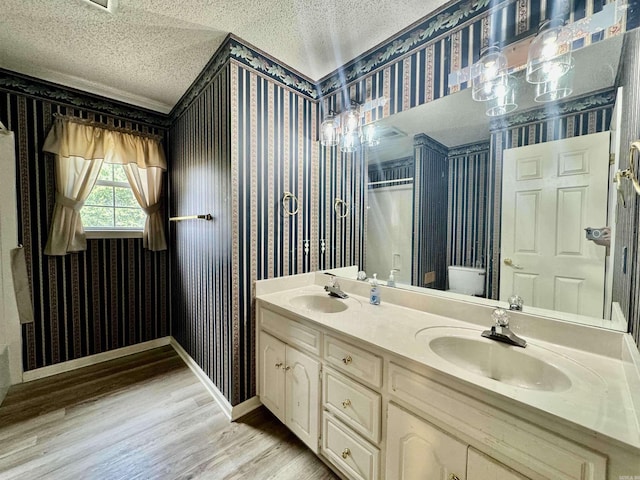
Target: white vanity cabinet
x: 289, y: 387
x: 375, y: 414
x: 417, y: 450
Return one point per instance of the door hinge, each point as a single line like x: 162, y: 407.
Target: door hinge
x: 612, y: 158
x: 319, y: 442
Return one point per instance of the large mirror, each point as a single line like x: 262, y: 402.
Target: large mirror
x: 504, y: 206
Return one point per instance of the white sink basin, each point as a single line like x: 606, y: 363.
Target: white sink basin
x: 532, y: 368
x: 319, y: 303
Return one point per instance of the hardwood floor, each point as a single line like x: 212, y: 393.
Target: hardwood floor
x: 145, y: 416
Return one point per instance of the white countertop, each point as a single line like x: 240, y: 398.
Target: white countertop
x: 598, y: 403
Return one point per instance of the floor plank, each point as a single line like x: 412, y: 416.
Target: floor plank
x: 145, y: 416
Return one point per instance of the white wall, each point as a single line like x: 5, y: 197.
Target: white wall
x: 10, y: 334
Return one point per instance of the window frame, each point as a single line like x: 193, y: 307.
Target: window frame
x: 116, y: 232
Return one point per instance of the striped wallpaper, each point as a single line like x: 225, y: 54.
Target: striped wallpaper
x: 626, y: 286
x: 272, y: 152
x: 581, y: 116
x: 112, y: 295
x: 201, y: 268
x: 429, y: 212
x: 467, y: 205
x: 235, y: 150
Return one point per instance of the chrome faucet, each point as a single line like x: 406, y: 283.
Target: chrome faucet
x: 334, y: 287
x: 515, y: 302
x: 501, y: 331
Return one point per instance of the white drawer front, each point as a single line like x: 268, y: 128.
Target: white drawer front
x: 292, y: 332
x: 350, y: 453
x: 354, y: 404
x: 531, y: 447
x: 359, y: 363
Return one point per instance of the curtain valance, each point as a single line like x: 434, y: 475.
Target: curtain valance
x: 75, y: 138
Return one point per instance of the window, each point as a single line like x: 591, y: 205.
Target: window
x: 111, y: 206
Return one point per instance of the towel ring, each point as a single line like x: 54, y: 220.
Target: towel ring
x: 341, y: 208
x: 285, y: 205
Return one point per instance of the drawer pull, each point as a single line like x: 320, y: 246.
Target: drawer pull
x: 287, y: 368
x: 453, y: 476
x: 345, y: 453
x: 347, y: 360
x: 346, y: 403
x: 279, y: 365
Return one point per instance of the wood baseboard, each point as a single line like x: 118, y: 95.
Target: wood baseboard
x: 232, y: 412
x: 62, y: 367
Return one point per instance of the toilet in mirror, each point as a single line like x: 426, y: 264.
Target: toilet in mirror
x: 482, y: 205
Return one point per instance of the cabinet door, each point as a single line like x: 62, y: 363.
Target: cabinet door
x: 303, y: 398
x: 416, y: 450
x: 481, y: 467
x: 272, y: 375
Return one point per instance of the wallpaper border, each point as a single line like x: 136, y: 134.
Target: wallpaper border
x: 589, y: 101
x: 432, y: 26
x: 20, y: 84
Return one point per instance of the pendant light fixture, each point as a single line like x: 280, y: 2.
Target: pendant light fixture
x: 489, y: 75
x: 557, y: 88
x: 505, y: 100
x: 549, y: 55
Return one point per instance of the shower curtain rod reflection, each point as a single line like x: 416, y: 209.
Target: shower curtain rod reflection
x: 205, y: 216
x: 396, y: 180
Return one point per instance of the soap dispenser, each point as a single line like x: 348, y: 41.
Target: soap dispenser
x: 374, y: 296
x: 391, y: 281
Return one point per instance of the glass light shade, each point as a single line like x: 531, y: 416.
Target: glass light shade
x: 489, y: 75
x: 349, y: 142
x: 351, y: 120
x: 329, y: 132
x: 504, y: 103
x: 555, y: 89
x: 370, y: 135
x: 549, y: 54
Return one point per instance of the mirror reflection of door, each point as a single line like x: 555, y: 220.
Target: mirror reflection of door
x: 551, y: 192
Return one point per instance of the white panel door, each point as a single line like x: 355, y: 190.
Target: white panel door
x: 272, y: 375
x: 416, y: 450
x: 551, y: 192
x: 481, y: 467
x: 302, y: 397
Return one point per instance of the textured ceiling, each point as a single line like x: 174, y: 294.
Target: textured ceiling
x: 149, y: 51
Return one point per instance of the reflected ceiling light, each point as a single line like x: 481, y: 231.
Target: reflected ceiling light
x: 550, y: 53
x: 505, y: 101
x: 370, y: 136
x: 489, y: 75
x: 346, y: 130
x: 329, y: 131
x: 557, y: 88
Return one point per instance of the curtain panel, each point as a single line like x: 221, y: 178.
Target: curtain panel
x: 80, y: 148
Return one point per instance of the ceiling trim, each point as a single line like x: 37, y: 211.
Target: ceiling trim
x: 434, y: 25
x: 71, y: 81
x: 585, y: 103
x: 68, y: 96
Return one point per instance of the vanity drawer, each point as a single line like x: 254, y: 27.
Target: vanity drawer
x: 355, y: 361
x: 290, y: 331
x: 355, y: 405
x: 348, y: 451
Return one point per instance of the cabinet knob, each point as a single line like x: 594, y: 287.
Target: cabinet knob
x: 347, y: 360
x: 287, y: 368
x: 346, y: 403
x: 453, y: 476
x: 279, y: 365
x: 345, y: 453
